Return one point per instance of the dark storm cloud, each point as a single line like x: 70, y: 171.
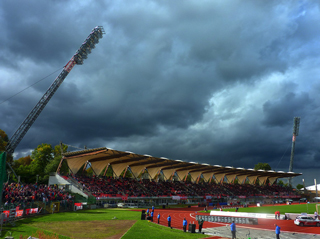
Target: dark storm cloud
x: 277, y: 112
x: 212, y: 82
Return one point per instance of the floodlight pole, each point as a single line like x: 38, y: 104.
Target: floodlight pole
x: 296, y: 124
x: 77, y: 59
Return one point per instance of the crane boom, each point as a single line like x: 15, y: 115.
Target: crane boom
x: 77, y: 58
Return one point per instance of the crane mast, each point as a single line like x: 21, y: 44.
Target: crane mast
x: 77, y: 58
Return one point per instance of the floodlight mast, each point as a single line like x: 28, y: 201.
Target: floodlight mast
x: 296, y: 125
x: 77, y: 58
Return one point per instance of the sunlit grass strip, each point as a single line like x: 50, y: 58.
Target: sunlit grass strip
x: 294, y: 208
x: 145, y: 229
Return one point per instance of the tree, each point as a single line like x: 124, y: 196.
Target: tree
x: 3, y: 143
x: 43, y: 161
x: 109, y: 172
x: 236, y: 181
x: 57, y: 150
x: 53, y: 166
x: 188, y: 179
x: 299, y: 186
x: 281, y: 183
x: 263, y: 166
x: 3, y: 140
x: 41, y: 156
x: 22, y: 161
x: 89, y: 171
x: 128, y: 174
x: 257, y: 182
x: 25, y: 173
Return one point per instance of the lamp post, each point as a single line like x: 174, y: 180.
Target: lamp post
x: 9, y: 172
x: 296, y: 123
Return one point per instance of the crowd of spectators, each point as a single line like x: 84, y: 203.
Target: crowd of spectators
x: 111, y: 186
x: 150, y: 188
x: 23, y: 194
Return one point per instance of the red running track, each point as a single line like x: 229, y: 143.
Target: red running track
x: 178, y: 214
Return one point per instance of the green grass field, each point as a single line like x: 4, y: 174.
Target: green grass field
x: 100, y: 223
x: 294, y: 208
x: 97, y: 223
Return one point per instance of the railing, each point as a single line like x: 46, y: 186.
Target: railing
x: 78, y: 185
x: 44, y: 207
x: 11, y: 212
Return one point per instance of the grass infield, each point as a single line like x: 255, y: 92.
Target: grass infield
x: 309, y: 208
x: 99, y: 223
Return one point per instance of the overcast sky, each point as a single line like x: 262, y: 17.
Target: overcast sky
x: 215, y: 82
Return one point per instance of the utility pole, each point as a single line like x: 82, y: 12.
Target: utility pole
x: 296, y: 124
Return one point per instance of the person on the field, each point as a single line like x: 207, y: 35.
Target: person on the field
x: 184, y: 224
x: 277, y: 231
x: 153, y: 208
x: 315, y: 215
x: 233, y: 230
x: 152, y: 216
x: 200, y: 221
x: 169, y: 221
x: 158, y: 218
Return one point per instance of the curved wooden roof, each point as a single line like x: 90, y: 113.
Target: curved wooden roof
x: 120, y: 160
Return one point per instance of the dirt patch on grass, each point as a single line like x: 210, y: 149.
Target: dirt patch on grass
x: 111, y: 229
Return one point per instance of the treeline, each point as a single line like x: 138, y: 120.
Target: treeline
x: 35, y: 167
x: 43, y: 160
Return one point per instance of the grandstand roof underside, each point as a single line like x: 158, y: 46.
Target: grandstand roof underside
x: 99, y: 158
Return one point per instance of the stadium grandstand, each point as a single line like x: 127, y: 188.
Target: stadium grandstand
x: 165, y: 181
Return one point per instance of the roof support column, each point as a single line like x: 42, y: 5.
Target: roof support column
x: 242, y: 179
x: 219, y: 177
x: 252, y: 179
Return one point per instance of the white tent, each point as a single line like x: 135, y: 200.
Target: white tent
x: 312, y: 188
